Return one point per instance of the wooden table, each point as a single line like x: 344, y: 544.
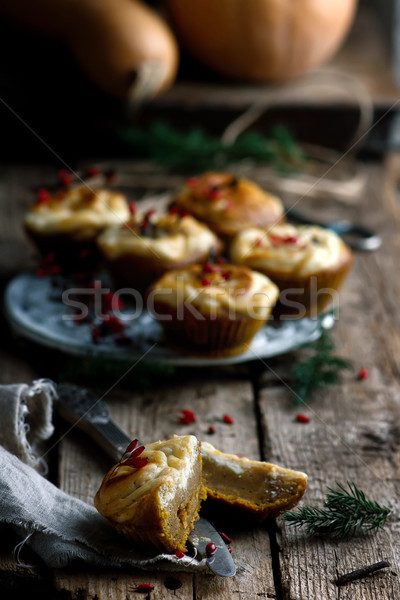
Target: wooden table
x: 353, y: 432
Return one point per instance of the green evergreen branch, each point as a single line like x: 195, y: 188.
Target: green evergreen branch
x: 345, y: 512
x: 319, y: 370
x: 196, y: 151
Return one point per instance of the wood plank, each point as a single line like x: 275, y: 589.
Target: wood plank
x: 354, y: 429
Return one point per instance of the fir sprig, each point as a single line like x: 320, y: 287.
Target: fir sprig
x: 319, y: 370
x: 196, y: 151
x: 345, y: 512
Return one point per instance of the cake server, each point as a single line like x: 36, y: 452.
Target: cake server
x: 83, y: 409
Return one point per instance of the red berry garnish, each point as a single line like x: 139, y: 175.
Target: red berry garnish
x: 187, y: 417
x: 42, y: 196
x: 65, y: 177
x: 214, y: 194
x: 363, y: 374
x: 205, y: 282
x: 131, y: 446
x: 228, y: 419
x: 110, y: 176
x: 225, y: 537
x: 300, y: 418
x: 132, y: 207
x: 179, y: 554
x: 144, y: 587
x: 226, y: 275
x: 211, y: 429
x: 95, y: 335
x: 210, y: 268
x: 211, y: 549
x: 92, y: 171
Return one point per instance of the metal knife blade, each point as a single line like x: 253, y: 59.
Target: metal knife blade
x: 83, y: 409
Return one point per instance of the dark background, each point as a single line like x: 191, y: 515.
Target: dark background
x: 50, y: 112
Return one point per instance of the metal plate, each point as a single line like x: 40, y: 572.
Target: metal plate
x: 35, y: 308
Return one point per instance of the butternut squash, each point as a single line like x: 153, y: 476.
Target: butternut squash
x: 261, y: 40
x: 123, y: 46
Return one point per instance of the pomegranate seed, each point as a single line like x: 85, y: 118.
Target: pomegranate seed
x: 300, y: 418
x: 225, y: 537
x: 211, y: 549
x: 131, y: 446
x: 145, y: 587
x: 93, y: 170
x: 95, y: 335
x: 179, y: 554
x: 110, y: 176
x: 211, y: 429
x: 363, y: 374
x: 228, y: 419
x: 210, y: 268
x: 65, y: 177
x: 205, y: 282
x: 42, y: 196
x: 187, y: 417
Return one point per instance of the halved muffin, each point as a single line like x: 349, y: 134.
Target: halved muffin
x: 257, y: 488
x: 153, y: 495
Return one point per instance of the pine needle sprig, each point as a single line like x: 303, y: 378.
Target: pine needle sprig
x: 321, y: 369
x: 345, y: 512
x: 196, y: 151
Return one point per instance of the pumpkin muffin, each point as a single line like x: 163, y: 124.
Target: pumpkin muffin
x: 149, y: 245
x: 212, y: 309
x: 307, y: 263
x: 227, y: 203
x: 67, y: 222
x: 256, y: 488
x: 153, y: 494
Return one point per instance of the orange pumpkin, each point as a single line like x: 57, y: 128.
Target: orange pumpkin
x: 261, y: 40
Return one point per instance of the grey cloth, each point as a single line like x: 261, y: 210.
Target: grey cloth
x: 59, y: 528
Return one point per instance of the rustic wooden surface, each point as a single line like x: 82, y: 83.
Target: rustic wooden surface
x: 353, y: 433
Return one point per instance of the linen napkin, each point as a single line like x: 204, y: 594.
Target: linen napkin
x: 59, y: 528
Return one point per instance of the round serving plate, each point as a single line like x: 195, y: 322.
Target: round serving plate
x: 37, y: 309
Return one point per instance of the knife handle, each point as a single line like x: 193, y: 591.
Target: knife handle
x: 85, y: 410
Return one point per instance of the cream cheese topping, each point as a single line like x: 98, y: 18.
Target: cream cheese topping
x: 177, y: 238
x: 302, y: 250
x: 231, y: 289
x: 170, y: 464
x: 75, y: 208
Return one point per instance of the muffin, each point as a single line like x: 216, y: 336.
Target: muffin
x: 138, y: 253
x: 256, y: 488
x: 153, y: 494
x: 227, y: 203
x: 212, y: 309
x: 66, y: 224
x: 306, y: 262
